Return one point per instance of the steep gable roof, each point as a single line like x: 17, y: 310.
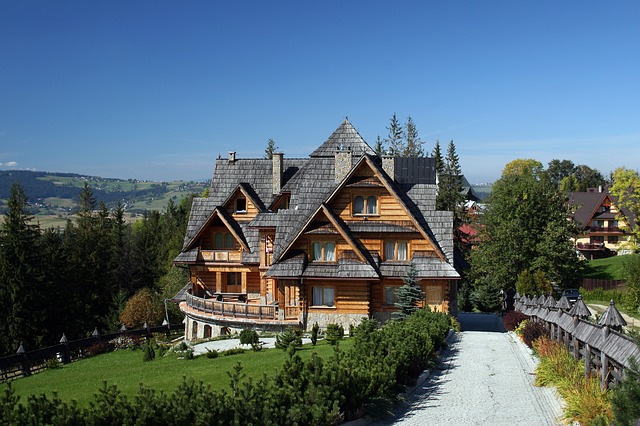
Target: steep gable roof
x: 345, y: 137
x: 228, y: 221
x: 588, y: 204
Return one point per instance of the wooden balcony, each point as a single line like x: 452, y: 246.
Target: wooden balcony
x: 242, y: 310
x: 606, y: 229
x: 221, y: 255
x: 590, y: 246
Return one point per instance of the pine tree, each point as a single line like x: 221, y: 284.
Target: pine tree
x: 409, y: 295
x: 379, y: 146
x: 20, y: 276
x: 395, y: 137
x: 270, y: 149
x: 437, y: 154
x: 414, y: 144
x: 450, y: 197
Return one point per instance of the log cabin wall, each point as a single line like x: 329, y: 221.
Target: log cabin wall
x: 350, y: 302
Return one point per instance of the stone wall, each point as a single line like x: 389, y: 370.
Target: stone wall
x: 324, y: 319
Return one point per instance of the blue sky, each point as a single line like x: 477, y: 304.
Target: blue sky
x: 157, y: 89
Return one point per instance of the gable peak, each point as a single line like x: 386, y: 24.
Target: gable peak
x: 345, y: 137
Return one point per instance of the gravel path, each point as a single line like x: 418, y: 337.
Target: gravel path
x: 485, y: 378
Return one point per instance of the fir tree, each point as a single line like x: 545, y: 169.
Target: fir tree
x: 409, y: 295
x: 413, y: 147
x: 395, y: 137
x: 270, y: 149
x: 437, y: 154
x: 450, y: 197
x: 379, y: 146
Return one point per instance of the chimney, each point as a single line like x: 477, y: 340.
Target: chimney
x: 343, y: 163
x: 389, y: 165
x: 277, y: 171
x: 232, y: 156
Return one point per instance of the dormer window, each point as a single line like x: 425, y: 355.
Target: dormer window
x: 241, y: 205
x: 396, y: 250
x: 323, y: 251
x: 365, y: 205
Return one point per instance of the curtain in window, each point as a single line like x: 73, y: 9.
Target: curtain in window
x: 330, y: 252
x: 372, y: 205
x: 317, y: 296
x: 402, y: 250
x: 328, y: 296
x: 389, y: 250
x: 389, y: 295
x: 358, y: 205
x: 228, y: 241
x: 317, y: 250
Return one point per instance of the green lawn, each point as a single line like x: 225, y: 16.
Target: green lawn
x: 125, y: 369
x: 608, y: 269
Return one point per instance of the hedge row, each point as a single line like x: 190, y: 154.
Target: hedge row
x: 380, y: 364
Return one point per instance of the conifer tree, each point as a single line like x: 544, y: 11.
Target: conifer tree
x: 395, y: 137
x: 409, y: 295
x: 270, y: 149
x: 20, y: 275
x: 379, y: 146
x: 413, y: 147
x: 450, y: 195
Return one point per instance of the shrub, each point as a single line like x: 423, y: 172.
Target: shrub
x: 284, y: 339
x: 249, y: 337
x: 625, y: 396
x: 53, y: 363
x: 233, y: 351
x: 335, y: 332
x: 587, y: 403
x: 532, y: 331
x: 142, y: 307
x: 149, y: 353
x: 100, y: 347
x: 212, y: 353
x: 513, y: 319
x: 314, y: 333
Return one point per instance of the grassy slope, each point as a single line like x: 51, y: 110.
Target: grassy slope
x: 125, y: 369
x: 608, y: 269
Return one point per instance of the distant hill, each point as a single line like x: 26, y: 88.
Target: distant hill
x: 57, y: 194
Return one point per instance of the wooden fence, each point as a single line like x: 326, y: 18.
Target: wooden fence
x: 593, y: 283
x: 605, y: 351
x: 26, y: 363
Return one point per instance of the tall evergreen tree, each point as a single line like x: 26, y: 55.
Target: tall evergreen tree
x: 20, y: 275
x: 450, y: 197
x: 395, y: 137
x: 413, y: 147
x: 437, y: 154
x: 270, y: 149
x: 379, y: 146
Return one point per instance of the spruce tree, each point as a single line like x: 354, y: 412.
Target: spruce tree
x: 450, y: 197
x: 437, y: 154
x: 379, y: 146
x: 414, y: 144
x: 20, y: 276
x: 270, y: 149
x: 409, y: 295
x: 395, y: 137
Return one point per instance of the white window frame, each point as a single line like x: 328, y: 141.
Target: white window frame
x: 396, y: 252
x: 324, y: 253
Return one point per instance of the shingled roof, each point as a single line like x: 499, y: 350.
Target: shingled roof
x: 312, y: 184
x: 587, y: 204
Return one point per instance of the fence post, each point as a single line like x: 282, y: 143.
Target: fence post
x: 24, y: 362
x: 65, y: 350
x: 587, y: 360
x: 604, y: 361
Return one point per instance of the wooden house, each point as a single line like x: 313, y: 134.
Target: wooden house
x: 290, y: 242
x: 603, y: 226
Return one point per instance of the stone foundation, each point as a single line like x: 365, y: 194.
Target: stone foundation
x: 346, y: 320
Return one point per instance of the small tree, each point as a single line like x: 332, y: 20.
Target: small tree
x: 270, y: 149
x: 314, y: 333
x: 142, y: 307
x: 409, y: 295
x: 335, y: 333
x: 395, y: 137
x: 631, y: 271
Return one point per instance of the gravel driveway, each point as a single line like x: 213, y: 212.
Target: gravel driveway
x: 485, y: 378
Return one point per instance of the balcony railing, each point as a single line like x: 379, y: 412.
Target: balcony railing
x: 232, y: 309
x: 605, y: 229
x: 221, y: 255
x: 590, y: 246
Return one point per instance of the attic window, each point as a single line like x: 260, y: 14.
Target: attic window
x: 396, y: 250
x: 323, y: 251
x: 365, y: 206
x: 224, y: 240
x: 241, y: 205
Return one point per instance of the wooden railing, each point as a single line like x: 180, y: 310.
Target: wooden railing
x: 221, y: 255
x: 291, y: 312
x: 232, y: 309
x: 604, y: 351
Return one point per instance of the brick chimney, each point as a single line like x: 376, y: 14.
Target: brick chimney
x: 343, y: 163
x: 276, y: 158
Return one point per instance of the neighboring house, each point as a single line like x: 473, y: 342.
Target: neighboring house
x: 603, y: 226
x: 290, y: 242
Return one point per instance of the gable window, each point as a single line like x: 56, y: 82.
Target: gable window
x: 241, y: 205
x: 396, y: 250
x: 322, y: 296
x: 224, y: 240
x: 365, y: 205
x: 390, y: 293
x: 323, y: 251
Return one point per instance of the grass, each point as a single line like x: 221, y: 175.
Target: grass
x: 610, y: 268
x: 124, y: 368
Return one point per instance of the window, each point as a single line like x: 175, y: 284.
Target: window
x: 396, y: 250
x: 390, y: 295
x: 234, y: 278
x: 224, y: 240
x: 612, y: 240
x: 322, y: 296
x: 323, y: 251
x: 365, y: 206
x: 241, y: 205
